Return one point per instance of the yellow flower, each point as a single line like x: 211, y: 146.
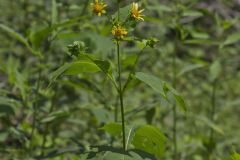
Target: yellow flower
x: 119, y: 32
x: 136, y: 13
x: 98, y: 8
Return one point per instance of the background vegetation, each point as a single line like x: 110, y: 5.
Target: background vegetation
x: 47, y: 116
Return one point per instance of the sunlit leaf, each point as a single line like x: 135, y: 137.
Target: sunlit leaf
x: 112, y: 128
x: 150, y: 139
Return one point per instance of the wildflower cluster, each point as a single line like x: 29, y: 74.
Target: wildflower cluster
x: 119, y: 30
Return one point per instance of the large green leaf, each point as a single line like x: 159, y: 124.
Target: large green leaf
x: 150, y: 139
x: 81, y: 67
x: 112, y: 128
x: 154, y: 82
x: 75, y: 68
x: 161, y: 87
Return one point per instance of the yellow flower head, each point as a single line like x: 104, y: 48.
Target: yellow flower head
x: 135, y: 13
x: 98, y: 8
x: 119, y: 32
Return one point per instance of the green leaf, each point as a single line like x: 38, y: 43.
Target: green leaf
x: 124, y: 12
x: 129, y: 61
x: 235, y: 156
x: 14, y: 34
x: 199, y: 35
x: 18, y: 79
x: 180, y: 101
x: 233, y: 38
x: 192, y: 13
x: 8, y: 105
x: 120, y: 156
x: 154, y: 82
x: 161, y: 87
x: 150, y: 139
x: 75, y: 68
x: 190, y: 68
x: 113, y: 129
x: 103, y: 65
x: 55, y: 116
x: 215, y: 70
x: 20, y: 38
x: 37, y: 37
x: 81, y: 67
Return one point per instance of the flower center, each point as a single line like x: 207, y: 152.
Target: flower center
x: 118, y: 32
x: 135, y: 13
x: 97, y: 8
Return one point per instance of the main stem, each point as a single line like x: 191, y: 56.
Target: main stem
x: 212, y: 114
x: 121, y: 95
x: 175, y: 107
x: 120, y: 89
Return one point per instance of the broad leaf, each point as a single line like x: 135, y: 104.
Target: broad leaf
x: 112, y: 128
x: 154, y: 82
x: 75, y: 68
x: 150, y: 139
x: 161, y: 87
x: 215, y: 70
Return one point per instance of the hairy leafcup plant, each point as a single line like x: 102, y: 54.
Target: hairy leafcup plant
x: 145, y: 137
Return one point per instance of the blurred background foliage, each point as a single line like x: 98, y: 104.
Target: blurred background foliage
x: 203, y: 35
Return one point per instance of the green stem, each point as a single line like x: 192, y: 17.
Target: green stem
x: 212, y: 114
x: 213, y: 100
x: 35, y: 109
x: 175, y: 149
x: 120, y: 89
x: 121, y: 94
x: 116, y: 110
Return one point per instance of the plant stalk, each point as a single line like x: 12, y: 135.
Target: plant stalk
x: 120, y: 89
x: 121, y: 94
x: 212, y: 114
x: 174, y: 109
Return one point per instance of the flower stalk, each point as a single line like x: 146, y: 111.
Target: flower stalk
x: 120, y: 91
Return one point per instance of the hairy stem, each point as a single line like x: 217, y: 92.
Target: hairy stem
x: 121, y: 94
x: 120, y: 89
x: 174, y: 109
